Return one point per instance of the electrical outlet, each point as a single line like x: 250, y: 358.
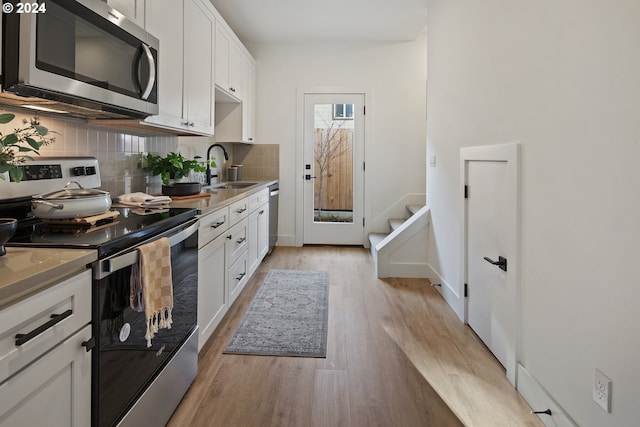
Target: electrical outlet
x: 602, y: 390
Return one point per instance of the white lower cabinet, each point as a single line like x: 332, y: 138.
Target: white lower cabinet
x: 45, y: 362
x: 233, y: 241
x: 53, y: 391
x: 258, y: 233
x: 213, y: 298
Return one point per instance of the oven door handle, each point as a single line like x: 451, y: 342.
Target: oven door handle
x: 108, y: 266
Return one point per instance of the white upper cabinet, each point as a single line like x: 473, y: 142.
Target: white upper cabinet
x: 249, y: 102
x: 198, y: 68
x: 186, y: 30
x: 228, y: 65
x: 132, y: 9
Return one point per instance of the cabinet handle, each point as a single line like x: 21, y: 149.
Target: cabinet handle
x: 217, y: 224
x: 55, y: 319
x: 241, y: 276
x: 261, y: 212
x: 241, y: 210
x: 232, y: 89
x: 89, y: 345
x: 241, y: 240
x: 250, y: 139
x: 230, y: 236
x: 191, y: 124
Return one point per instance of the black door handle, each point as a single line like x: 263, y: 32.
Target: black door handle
x: 501, y: 262
x: 309, y: 177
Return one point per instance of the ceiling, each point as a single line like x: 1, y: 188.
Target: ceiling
x: 267, y: 21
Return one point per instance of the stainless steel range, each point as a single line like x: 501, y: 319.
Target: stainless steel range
x: 131, y: 383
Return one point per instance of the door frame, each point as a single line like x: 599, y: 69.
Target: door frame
x: 509, y: 153
x: 299, y: 156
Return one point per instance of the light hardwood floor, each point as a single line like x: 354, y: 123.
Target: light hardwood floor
x: 396, y: 356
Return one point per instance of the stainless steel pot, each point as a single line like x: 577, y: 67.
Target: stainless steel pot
x: 71, y: 202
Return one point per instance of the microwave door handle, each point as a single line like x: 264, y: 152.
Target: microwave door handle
x: 151, y: 81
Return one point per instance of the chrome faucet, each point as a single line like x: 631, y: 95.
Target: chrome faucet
x: 226, y: 157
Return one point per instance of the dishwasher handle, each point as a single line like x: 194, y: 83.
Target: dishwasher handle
x: 108, y: 266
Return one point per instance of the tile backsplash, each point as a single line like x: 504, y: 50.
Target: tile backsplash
x: 118, y: 151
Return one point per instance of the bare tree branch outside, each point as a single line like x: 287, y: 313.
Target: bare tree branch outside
x: 332, y: 155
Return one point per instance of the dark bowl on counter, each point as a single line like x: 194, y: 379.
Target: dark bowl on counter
x: 8, y: 227
x: 181, y: 189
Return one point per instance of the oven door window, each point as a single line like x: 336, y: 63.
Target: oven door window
x: 75, y: 42
x: 125, y: 364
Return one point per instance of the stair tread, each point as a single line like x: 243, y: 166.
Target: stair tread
x: 396, y: 222
x: 414, y: 208
x: 375, y: 238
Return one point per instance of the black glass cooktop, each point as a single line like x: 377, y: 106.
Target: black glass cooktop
x: 126, y: 230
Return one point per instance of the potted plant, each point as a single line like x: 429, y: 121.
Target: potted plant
x: 16, y: 147
x: 173, y: 167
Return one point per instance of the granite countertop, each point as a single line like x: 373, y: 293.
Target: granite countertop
x: 25, y: 271
x: 220, y: 197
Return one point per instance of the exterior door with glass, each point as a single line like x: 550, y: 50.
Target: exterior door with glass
x: 333, y: 169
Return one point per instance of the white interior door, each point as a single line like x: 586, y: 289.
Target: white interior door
x: 333, y: 169
x: 487, y: 261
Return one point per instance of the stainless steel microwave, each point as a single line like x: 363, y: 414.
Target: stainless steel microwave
x: 82, y: 57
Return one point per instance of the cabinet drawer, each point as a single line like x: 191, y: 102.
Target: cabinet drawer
x: 237, y: 277
x: 238, y: 210
x: 71, y: 297
x: 236, y: 241
x: 258, y: 199
x: 212, y: 225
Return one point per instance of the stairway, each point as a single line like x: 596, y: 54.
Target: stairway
x: 403, y: 251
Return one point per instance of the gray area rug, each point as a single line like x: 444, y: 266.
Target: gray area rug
x: 288, y: 316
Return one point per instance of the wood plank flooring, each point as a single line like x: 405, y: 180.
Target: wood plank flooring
x: 396, y: 356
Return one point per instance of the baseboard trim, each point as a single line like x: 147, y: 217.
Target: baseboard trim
x: 448, y: 293
x: 538, y: 398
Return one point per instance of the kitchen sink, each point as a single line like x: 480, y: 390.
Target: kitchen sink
x: 230, y: 185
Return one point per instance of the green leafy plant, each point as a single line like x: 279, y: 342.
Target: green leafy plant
x: 173, y: 166
x: 16, y: 147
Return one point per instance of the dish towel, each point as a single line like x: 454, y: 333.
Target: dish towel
x: 154, y: 275
x: 143, y: 200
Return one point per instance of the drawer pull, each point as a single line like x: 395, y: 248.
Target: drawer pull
x: 230, y: 236
x: 217, y: 224
x: 241, y: 276
x: 261, y: 212
x: 55, y: 319
x: 241, y: 240
x: 241, y: 210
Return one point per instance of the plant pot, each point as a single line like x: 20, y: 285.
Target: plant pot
x: 181, y: 189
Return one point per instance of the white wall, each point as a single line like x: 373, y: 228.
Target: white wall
x: 395, y: 75
x: 563, y: 78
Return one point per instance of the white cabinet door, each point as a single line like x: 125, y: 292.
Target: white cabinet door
x: 263, y: 232
x: 229, y: 78
x: 249, y: 102
x: 199, y: 33
x: 53, y: 391
x: 185, y: 82
x: 222, y: 58
x: 165, y: 21
x: 132, y: 9
x: 213, y: 296
x: 257, y: 237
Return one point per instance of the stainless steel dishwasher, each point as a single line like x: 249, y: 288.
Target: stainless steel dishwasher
x: 274, y: 190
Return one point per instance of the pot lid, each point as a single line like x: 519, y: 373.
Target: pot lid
x: 72, y: 193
